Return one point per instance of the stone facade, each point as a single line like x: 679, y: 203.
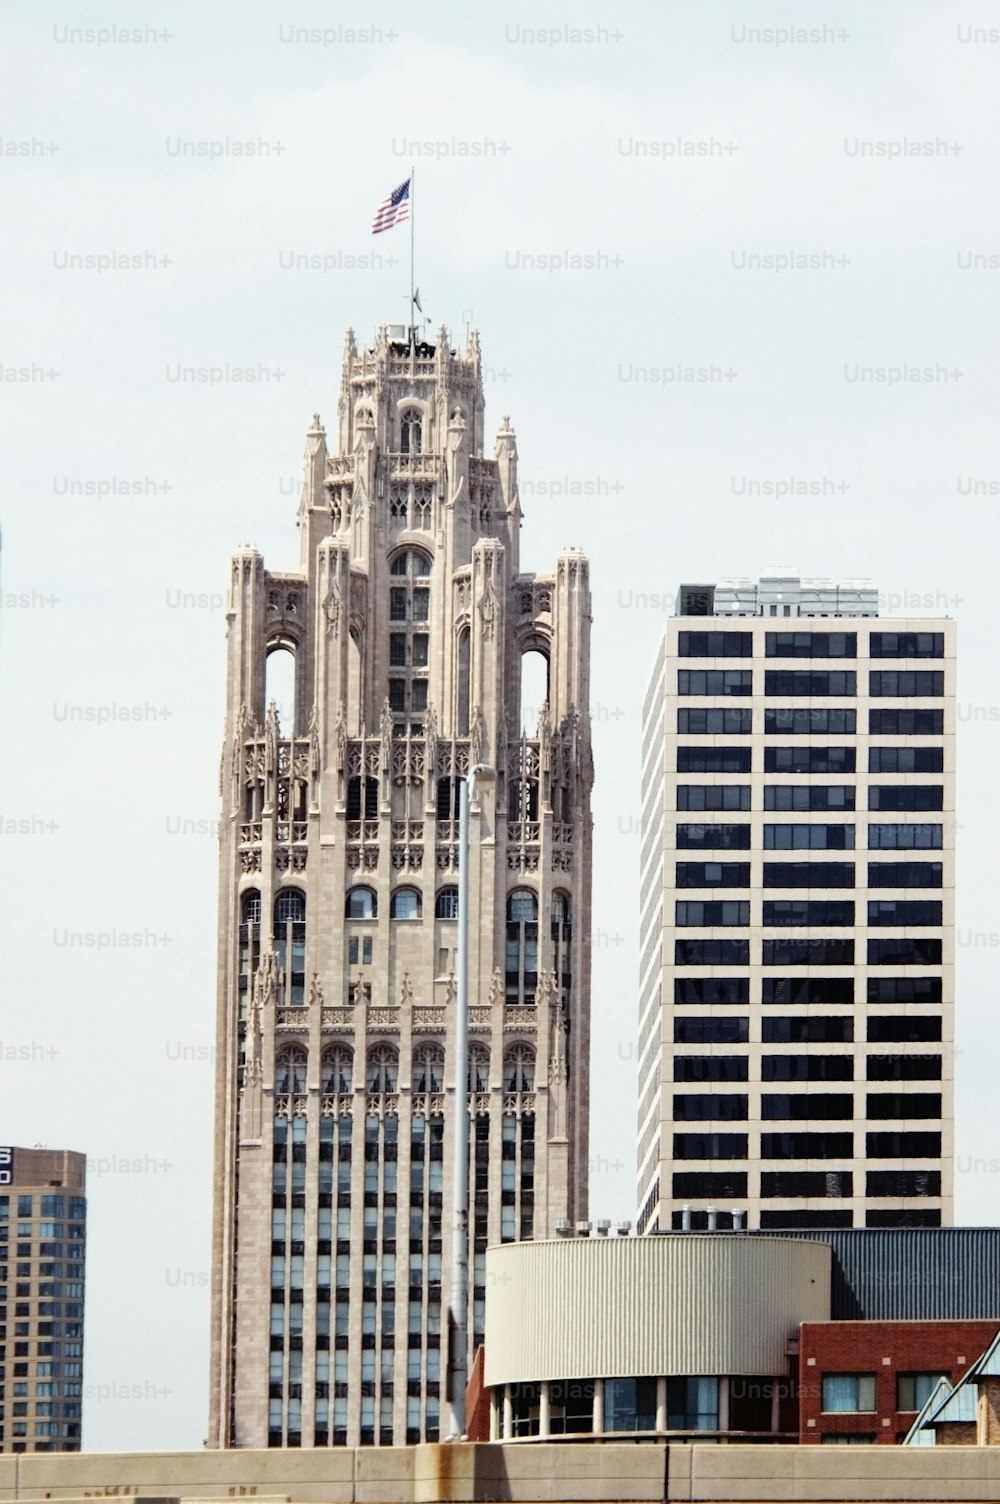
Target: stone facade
x: 407, y: 621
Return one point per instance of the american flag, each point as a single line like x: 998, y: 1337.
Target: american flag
x: 393, y: 210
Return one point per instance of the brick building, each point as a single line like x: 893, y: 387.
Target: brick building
x: 863, y: 1382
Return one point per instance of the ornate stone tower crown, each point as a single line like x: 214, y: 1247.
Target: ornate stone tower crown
x: 407, y: 622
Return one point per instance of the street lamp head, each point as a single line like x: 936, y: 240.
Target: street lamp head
x: 479, y: 774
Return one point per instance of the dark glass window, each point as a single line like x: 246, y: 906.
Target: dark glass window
x: 836, y: 991
x: 710, y: 1068
x: 713, y: 759
x: 903, y: 1146
x: 808, y: 874
x: 807, y: 1068
x: 792, y: 1183
x: 716, y: 1106
x: 903, y: 1183
x: 713, y: 874
x: 810, y: 721
x: 784, y: 796
x: 811, y: 952
x: 889, y: 683
x: 906, y: 645
x: 715, y: 644
x: 906, y: 722
x: 789, y: 1219
x: 898, y: 1029
x: 719, y: 990
x: 713, y: 912
x: 710, y: 1146
x: 835, y: 1030
x: 911, y: 1216
x: 800, y: 913
x: 905, y: 759
x: 904, y: 1067
x: 811, y: 682
x: 711, y: 1030
x: 904, y: 990
x: 803, y: 759
x: 710, y: 796
x: 912, y: 796
x: 904, y: 951
x: 711, y: 1182
x: 713, y: 837
x: 905, y: 837
x: 807, y: 1145
x: 808, y: 837
x: 714, y: 681
x: 904, y: 911
x: 629, y: 1405
x: 913, y: 1104
x: 809, y: 1107
x: 711, y: 952
x: 694, y: 721
x: 904, y: 875
x: 810, y: 645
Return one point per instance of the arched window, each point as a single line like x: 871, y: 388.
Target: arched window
x: 249, y: 946
x: 410, y: 432
x: 534, y: 689
x: 290, y: 1071
x: 449, y: 793
x: 289, y: 904
x: 521, y: 962
x: 479, y: 1068
x: 409, y: 638
x: 463, y: 674
x: 561, y: 935
x: 362, y: 798
x: 383, y: 1069
x: 289, y: 940
x: 519, y: 1069
x: 446, y: 904
x: 336, y: 1070
x: 428, y: 1068
x: 405, y: 904
x: 279, y: 685
x: 361, y: 903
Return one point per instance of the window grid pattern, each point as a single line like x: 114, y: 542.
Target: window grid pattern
x: 813, y: 768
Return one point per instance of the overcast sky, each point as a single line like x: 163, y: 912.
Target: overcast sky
x: 231, y: 160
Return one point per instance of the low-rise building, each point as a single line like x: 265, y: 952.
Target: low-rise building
x: 816, y: 1337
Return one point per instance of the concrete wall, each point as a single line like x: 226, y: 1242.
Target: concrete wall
x: 572, y: 1473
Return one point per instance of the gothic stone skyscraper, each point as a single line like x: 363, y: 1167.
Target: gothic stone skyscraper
x: 408, y: 620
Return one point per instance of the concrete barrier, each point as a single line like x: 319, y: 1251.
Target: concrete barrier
x: 521, y: 1473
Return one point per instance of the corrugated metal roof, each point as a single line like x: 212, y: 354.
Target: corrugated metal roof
x: 911, y: 1273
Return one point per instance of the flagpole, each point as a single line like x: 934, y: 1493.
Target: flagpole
x: 413, y: 215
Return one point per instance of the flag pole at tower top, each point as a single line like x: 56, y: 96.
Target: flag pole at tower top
x: 397, y: 207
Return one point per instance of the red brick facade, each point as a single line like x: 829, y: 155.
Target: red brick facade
x: 885, y: 1349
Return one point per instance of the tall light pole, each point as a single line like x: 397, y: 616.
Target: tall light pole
x: 458, y: 1311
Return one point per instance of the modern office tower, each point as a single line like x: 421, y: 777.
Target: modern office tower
x: 43, y: 1242
x: 407, y: 622
x: 796, y: 990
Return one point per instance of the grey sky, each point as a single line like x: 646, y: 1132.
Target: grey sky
x: 671, y: 147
